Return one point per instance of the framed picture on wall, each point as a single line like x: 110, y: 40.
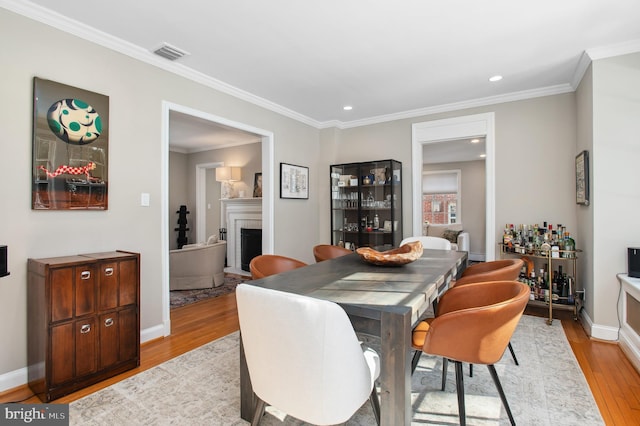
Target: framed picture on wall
x: 70, y: 148
x: 294, y: 181
x: 582, y: 178
x: 257, y: 185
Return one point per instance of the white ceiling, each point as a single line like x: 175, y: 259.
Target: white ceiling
x: 388, y: 59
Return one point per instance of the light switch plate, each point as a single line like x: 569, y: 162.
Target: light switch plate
x: 144, y: 199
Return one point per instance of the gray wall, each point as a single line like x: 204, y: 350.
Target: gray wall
x: 178, y: 194
x: 136, y: 91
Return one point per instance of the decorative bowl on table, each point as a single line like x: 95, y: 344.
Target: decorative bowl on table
x: 402, y: 255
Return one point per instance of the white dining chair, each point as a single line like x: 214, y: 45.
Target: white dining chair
x: 304, y: 358
x: 436, y: 243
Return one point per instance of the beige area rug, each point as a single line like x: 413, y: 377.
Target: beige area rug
x: 201, y: 387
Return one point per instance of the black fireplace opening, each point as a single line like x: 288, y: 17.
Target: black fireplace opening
x: 250, y: 246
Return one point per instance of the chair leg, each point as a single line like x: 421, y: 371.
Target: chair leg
x: 257, y: 415
x: 460, y: 390
x: 375, y: 404
x: 496, y: 380
x: 513, y: 354
x: 445, y: 367
x: 415, y: 360
x: 470, y: 370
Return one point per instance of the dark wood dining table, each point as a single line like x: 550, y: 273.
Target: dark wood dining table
x: 381, y: 301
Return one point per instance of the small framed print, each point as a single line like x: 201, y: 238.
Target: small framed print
x: 294, y: 181
x: 582, y: 178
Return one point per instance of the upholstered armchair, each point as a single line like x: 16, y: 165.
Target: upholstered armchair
x: 197, y: 266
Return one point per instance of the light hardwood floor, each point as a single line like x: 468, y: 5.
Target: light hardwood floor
x: 613, y: 380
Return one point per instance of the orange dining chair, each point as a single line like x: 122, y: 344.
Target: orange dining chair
x: 326, y: 251
x: 474, y: 324
x: 497, y: 270
x: 271, y: 264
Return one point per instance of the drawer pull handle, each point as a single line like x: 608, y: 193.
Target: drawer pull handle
x: 108, y: 322
x: 85, y: 275
x: 85, y: 329
x: 108, y: 272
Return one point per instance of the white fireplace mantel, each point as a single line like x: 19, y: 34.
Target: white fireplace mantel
x: 237, y: 213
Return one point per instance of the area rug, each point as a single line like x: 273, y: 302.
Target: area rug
x: 201, y: 387
x: 180, y: 298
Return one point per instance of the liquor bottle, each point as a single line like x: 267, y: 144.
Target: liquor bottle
x: 564, y: 291
x: 569, y: 245
x: 376, y: 222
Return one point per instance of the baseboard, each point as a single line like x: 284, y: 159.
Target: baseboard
x: 630, y: 345
x: 477, y: 257
x: 20, y: 377
x: 155, y: 332
x: 602, y: 332
x: 13, y: 379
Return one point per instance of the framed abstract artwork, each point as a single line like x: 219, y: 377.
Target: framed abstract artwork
x: 70, y: 148
x: 582, y: 178
x: 294, y: 181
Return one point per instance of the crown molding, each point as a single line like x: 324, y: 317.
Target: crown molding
x: 581, y: 68
x: 631, y: 46
x: 473, y: 103
x: 86, y: 32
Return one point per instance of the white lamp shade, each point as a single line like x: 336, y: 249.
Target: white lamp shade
x: 226, y: 174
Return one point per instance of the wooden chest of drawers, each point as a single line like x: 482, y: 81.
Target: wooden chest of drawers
x: 83, y: 320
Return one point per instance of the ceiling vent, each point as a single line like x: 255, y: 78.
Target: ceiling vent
x: 170, y: 52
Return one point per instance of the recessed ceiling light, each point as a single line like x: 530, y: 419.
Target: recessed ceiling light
x: 347, y: 107
x: 495, y: 78
x: 483, y: 155
x: 475, y: 140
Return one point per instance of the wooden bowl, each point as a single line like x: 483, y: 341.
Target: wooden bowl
x: 395, y: 257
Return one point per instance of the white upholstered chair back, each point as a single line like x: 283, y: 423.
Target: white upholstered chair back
x: 303, y: 356
x: 429, y: 242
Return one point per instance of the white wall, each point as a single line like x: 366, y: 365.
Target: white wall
x: 136, y: 91
x: 616, y: 193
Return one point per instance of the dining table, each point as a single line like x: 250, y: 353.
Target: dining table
x: 385, y: 302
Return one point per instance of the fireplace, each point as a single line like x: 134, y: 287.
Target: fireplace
x: 238, y: 213
x: 250, y: 246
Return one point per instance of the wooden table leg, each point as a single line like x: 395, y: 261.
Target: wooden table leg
x: 247, y: 397
x: 395, y: 373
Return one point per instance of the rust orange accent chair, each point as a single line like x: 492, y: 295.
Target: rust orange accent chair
x: 271, y: 264
x: 326, y: 251
x: 497, y: 270
x: 474, y: 324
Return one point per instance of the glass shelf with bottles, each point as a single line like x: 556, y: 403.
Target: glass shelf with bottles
x: 366, y: 204
x: 538, y: 241
x: 553, y: 248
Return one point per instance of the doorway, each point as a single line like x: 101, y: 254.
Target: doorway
x: 479, y: 125
x: 267, y: 193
